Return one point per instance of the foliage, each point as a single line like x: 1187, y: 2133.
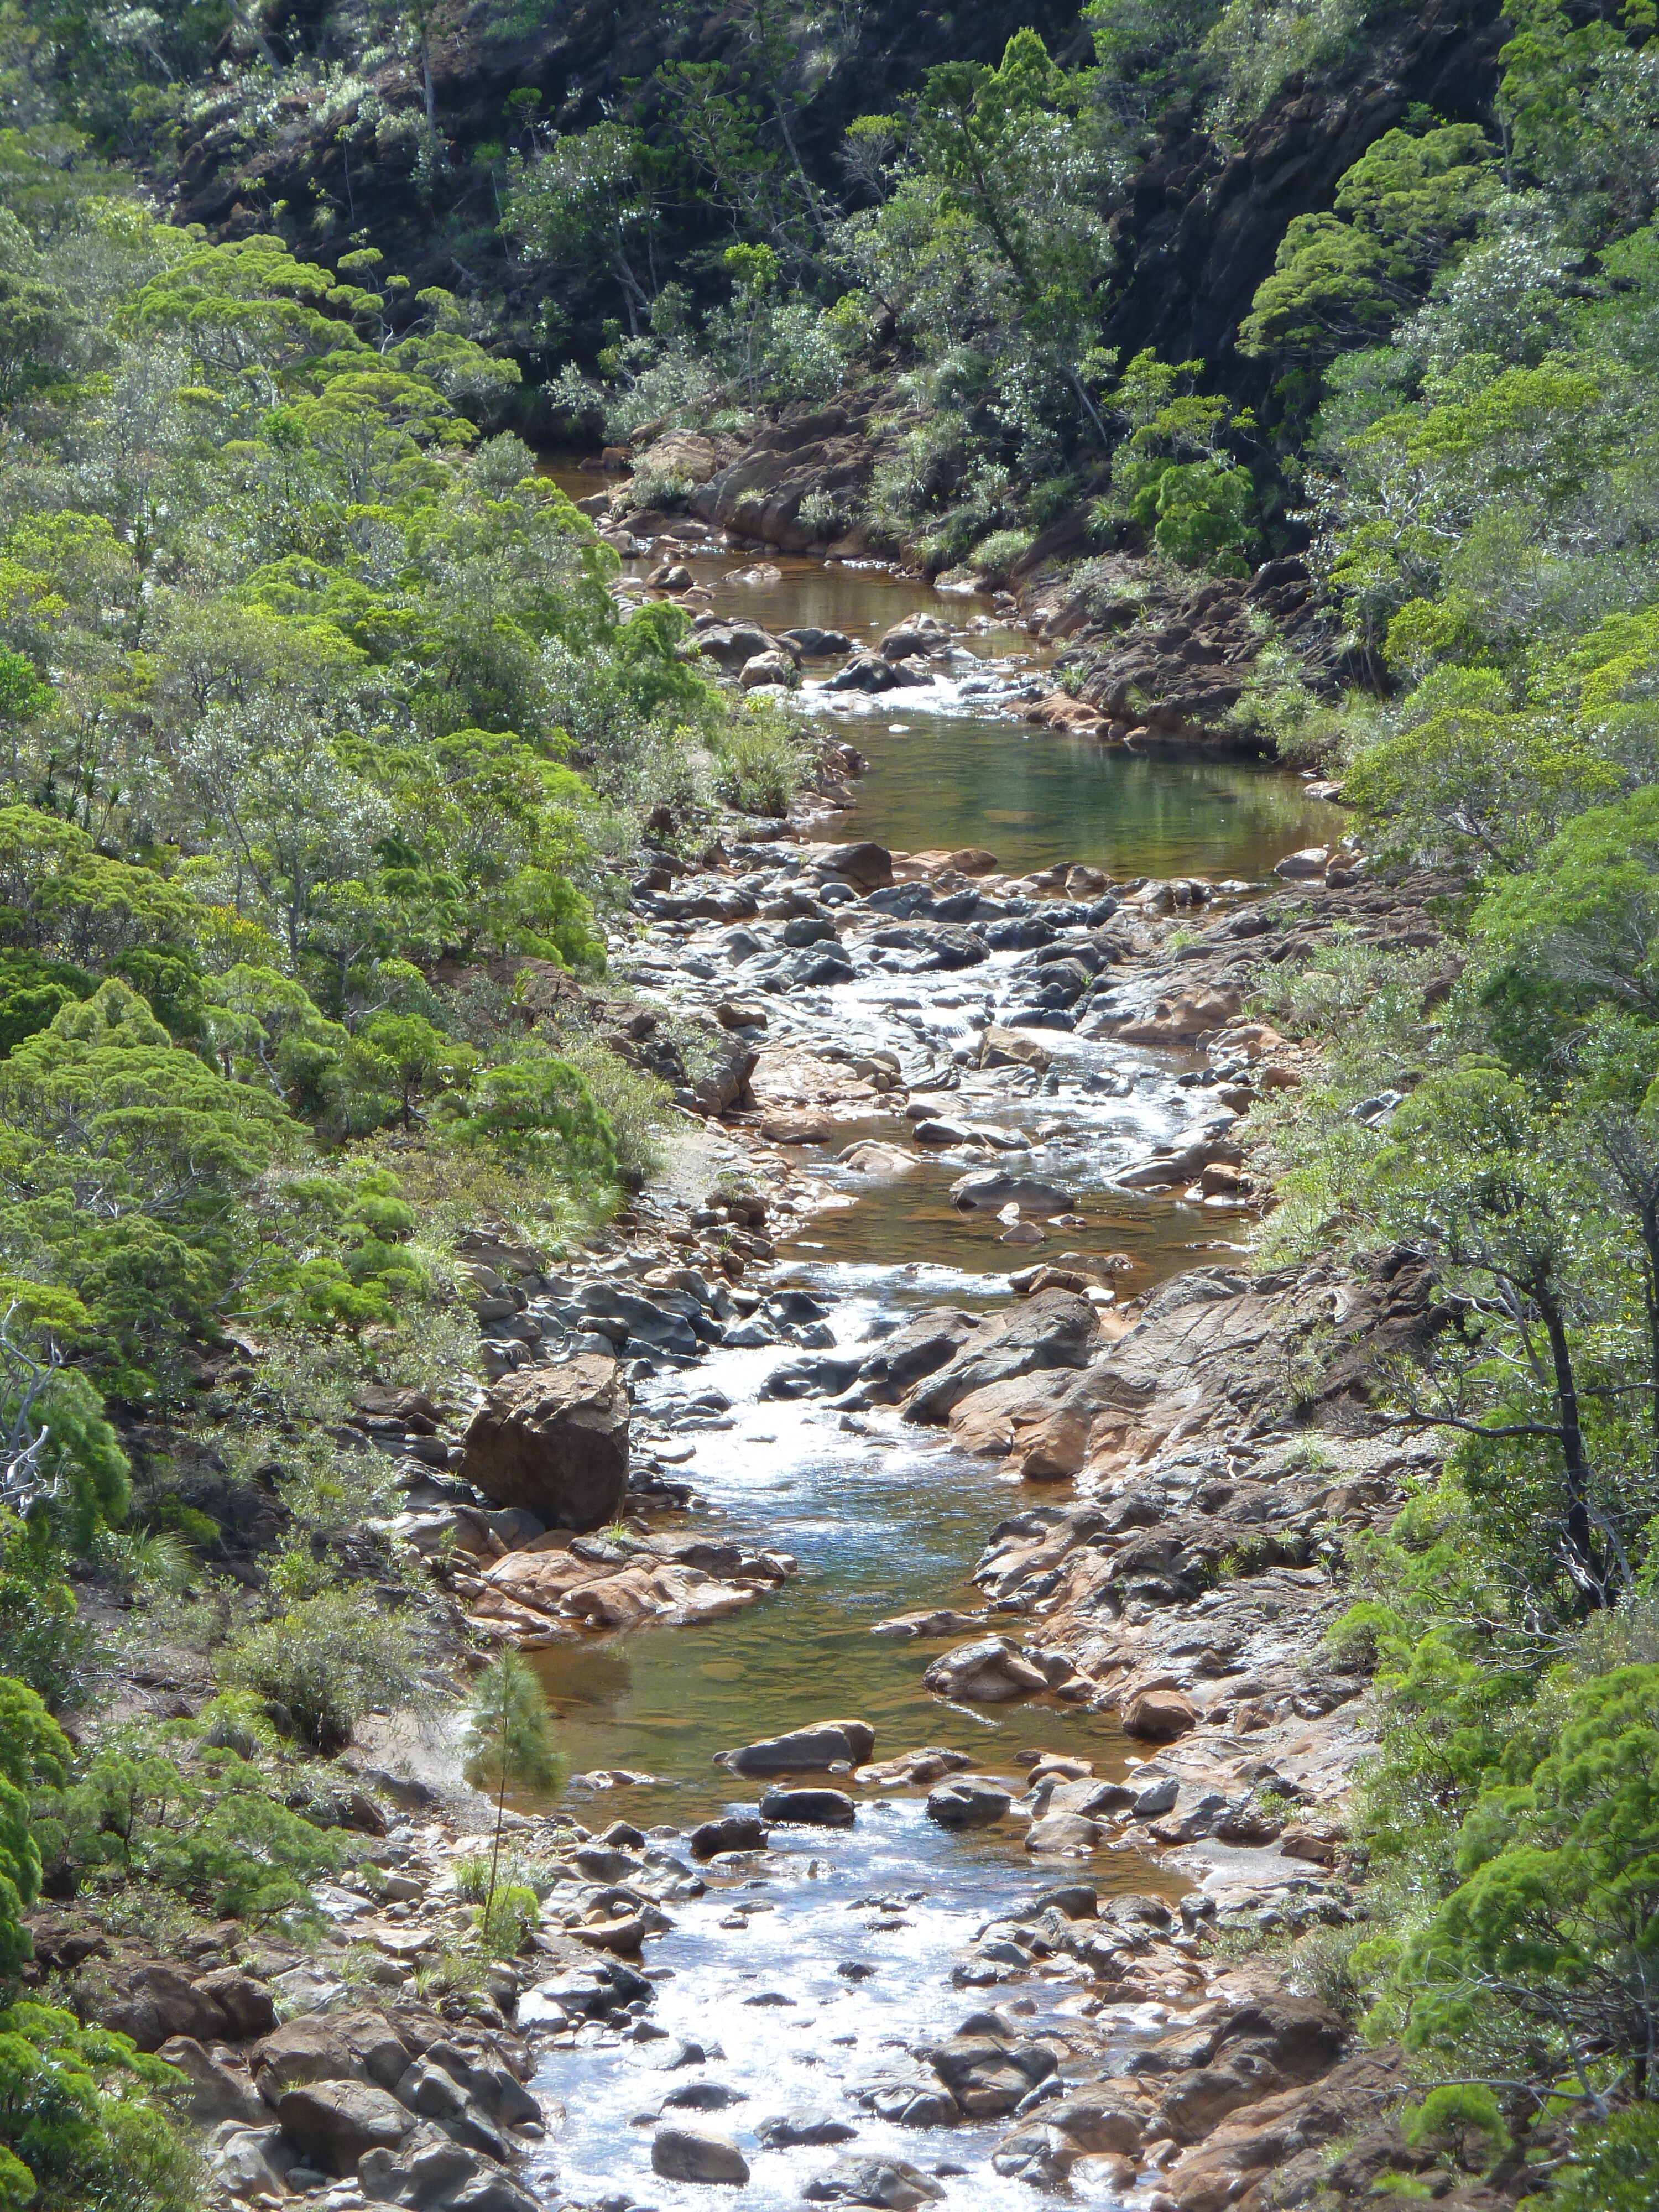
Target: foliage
x: 1613, y: 2165
x: 326, y: 1661
x: 76, y: 2124
x: 507, y: 1743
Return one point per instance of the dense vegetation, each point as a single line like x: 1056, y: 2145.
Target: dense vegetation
x: 317, y: 723
x: 319, y: 727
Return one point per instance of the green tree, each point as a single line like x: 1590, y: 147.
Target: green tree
x: 507, y: 1743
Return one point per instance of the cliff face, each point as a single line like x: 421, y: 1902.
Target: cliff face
x: 1198, y: 230
x: 1201, y: 223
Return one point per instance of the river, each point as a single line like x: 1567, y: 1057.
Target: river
x: 850, y: 1934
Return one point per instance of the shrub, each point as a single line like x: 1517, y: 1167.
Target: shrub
x: 1612, y: 2167
x: 43, y: 1641
x: 1462, y: 2117
x: 327, y: 1661
x: 505, y: 1919
x: 994, y: 556
x: 760, y: 760
x: 76, y: 2128
x: 636, y: 1105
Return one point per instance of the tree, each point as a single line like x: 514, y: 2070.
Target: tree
x: 1555, y: 1924
x: 33, y: 1749
x: 1476, y: 1176
x: 508, y: 1742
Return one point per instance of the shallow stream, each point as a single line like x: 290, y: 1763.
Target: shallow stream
x: 883, y: 1519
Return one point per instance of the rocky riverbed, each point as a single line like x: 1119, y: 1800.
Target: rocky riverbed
x: 927, y: 1527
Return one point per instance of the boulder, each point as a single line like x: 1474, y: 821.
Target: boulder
x: 989, y: 1673
x: 769, y: 668
x: 1063, y: 1832
x: 216, y: 2091
x: 790, y: 2128
x: 868, y: 671
x: 925, y: 1344
x: 816, y: 644
x: 733, y: 643
x: 806, y: 1124
x: 891, y: 2183
x: 872, y: 1157
x: 331, y: 2123
x: 249, y: 2163
x: 431, y: 2171
x: 987, y: 1190
x: 916, y: 634
x: 866, y: 865
x: 155, y: 2003
x: 1159, y: 1715
x: 687, y: 2155
x: 432, y: 2092
x: 1311, y: 861
x: 248, y: 2007
x: 972, y: 1800
x: 809, y: 1809
x: 812, y: 1750
x: 554, y: 1440
x: 985, y: 2069
x: 1000, y: 1047
x: 1053, y: 1329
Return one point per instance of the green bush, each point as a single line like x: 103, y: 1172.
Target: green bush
x: 43, y: 1641
x: 637, y: 1106
x: 326, y: 1661
x: 761, y: 760
x: 994, y: 556
x: 79, y: 2134
x: 1612, y: 2167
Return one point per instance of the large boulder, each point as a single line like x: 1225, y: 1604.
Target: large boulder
x: 332, y: 2124
x: 1158, y: 1716
x: 867, y: 865
x: 216, y: 2092
x: 809, y: 1809
x: 925, y: 1344
x: 891, y: 2183
x: 554, y: 1440
x: 1000, y: 1047
x: 868, y: 671
x: 733, y: 644
x: 761, y: 493
x: 985, y: 2069
x: 736, y: 1832
x: 154, y: 2004
x: 812, y: 1750
x: 972, y: 1800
